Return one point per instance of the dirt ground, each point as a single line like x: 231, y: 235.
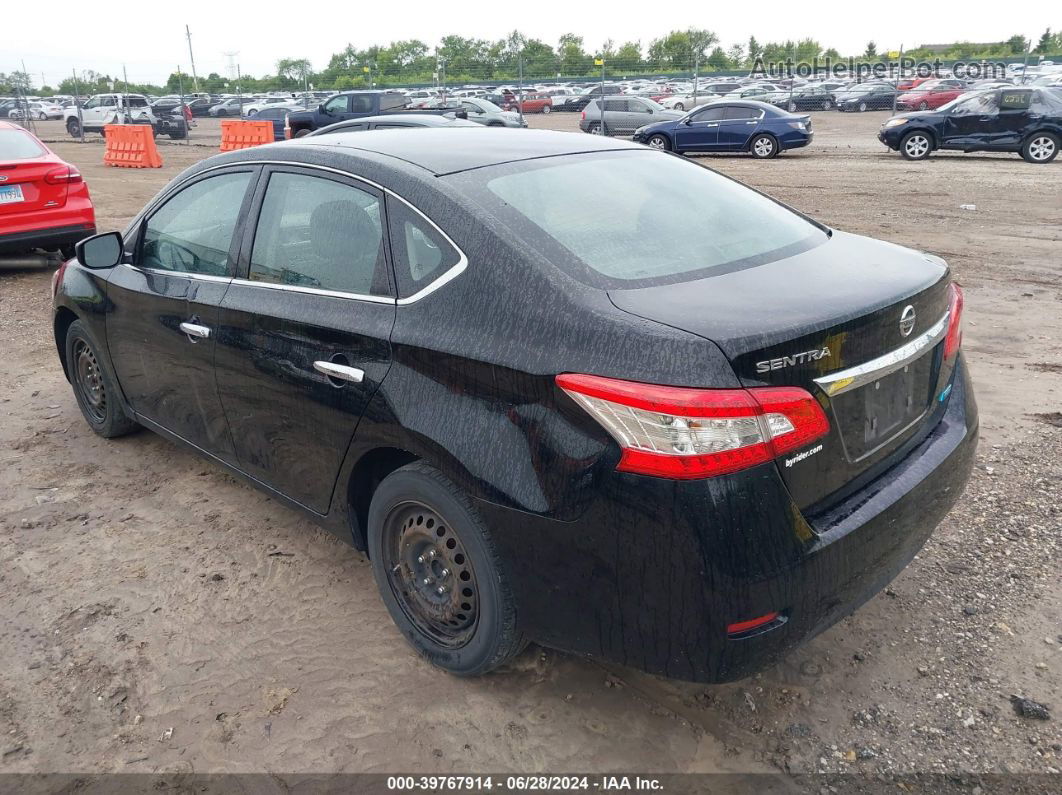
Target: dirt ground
x: 159, y: 616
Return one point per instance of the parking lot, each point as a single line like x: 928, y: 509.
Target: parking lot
x: 160, y: 616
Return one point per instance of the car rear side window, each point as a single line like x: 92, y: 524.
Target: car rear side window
x: 421, y: 252
x: 319, y: 233
x: 17, y: 145
x: 738, y: 113
x: 634, y: 218
x: 192, y: 232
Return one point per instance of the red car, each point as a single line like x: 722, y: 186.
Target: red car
x: 930, y: 95
x: 44, y: 203
x: 535, y: 103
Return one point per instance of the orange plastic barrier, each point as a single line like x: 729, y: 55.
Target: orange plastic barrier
x: 131, y: 146
x: 245, y: 134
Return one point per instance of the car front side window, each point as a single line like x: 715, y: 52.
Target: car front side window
x: 192, y: 232
x: 319, y: 233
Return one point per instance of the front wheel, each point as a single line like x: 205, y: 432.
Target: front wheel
x: 916, y: 146
x: 764, y: 146
x: 1041, y: 147
x: 94, y: 385
x: 862, y: 107
x: 659, y: 142
x: 826, y: 104
x: 547, y: 109
x: 679, y: 106
x: 923, y: 105
x: 792, y: 106
x: 439, y: 573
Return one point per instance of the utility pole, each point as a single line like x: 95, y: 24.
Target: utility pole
x: 896, y: 92
x: 195, y: 78
x: 239, y: 95
x: 77, y: 104
x: 696, y: 66
x: 520, y: 86
x: 125, y: 77
x: 1025, y: 60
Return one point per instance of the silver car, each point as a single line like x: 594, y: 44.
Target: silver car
x: 488, y: 114
x: 623, y: 114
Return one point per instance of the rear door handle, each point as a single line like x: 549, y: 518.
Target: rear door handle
x: 194, y: 330
x: 340, y: 371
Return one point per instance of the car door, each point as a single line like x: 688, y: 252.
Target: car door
x: 305, y: 328
x: 163, y: 320
x: 699, y: 132
x: 970, y: 123
x: 337, y: 108
x: 1018, y: 110
x: 639, y: 113
x: 92, y: 112
x: 737, y: 126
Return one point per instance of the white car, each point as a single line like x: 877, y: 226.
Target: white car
x: 271, y: 102
x: 38, y: 110
x: 103, y: 109
x: 687, y: 101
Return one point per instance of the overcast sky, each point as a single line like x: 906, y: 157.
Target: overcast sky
x: 55, y: 37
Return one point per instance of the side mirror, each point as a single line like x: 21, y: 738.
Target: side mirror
x: 100, y: 252
x: 461, y: 114
x: 323, y: 110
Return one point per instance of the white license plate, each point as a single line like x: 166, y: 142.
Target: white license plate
x: 9, y: 194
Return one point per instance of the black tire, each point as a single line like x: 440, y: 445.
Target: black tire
x: 792, y: 107
x: 94, y: 386
x: 74, y: 128
x: 68, y: 252
x: 916, y: 145
x: 594, y: 128
x: 679, y: 106
x: 177, y: 136
x: 1040, y: 147
x: 826, y: 104
x: 660, y: 142
x: 763, y: 146
x: 302, y: 133
x: 923, y: 105
x: 416, y: 514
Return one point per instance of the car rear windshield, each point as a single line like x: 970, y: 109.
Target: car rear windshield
x: 16, y: 145
x: 637, y: 218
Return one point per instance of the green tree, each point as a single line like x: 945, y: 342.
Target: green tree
x: 681, y: 48
x: 1048, y: 43
x: 717, y: 59
x: 871, y: 51
x: 629, y: 56
x: 736, y: 54
x: 574, y: 60
x: 1016, y: 45
x: 294, y: 71
x: 755, y: 50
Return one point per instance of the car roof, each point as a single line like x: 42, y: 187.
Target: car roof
x: 445, y: 151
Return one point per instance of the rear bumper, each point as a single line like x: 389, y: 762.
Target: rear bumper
x: 654, y: 571
x: 50, y: 238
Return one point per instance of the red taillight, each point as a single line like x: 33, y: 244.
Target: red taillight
x: 683, y: 433
x: 955, y: 306
x: 287, y: 129
x: 744, y: 626
x: 62, y: 175
x: 582, y: 115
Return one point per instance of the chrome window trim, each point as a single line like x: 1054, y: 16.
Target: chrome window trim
x: 854, y: 377
x: 199, y: 277
x: 294, y: 288
x: 446, y: 277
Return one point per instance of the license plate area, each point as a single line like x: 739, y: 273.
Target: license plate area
x: 10, y: 194
x: 876, y: 414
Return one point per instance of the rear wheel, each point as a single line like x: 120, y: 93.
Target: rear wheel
x: 94, y: 385
x: 764, y: 146
x: 546, y: 109
x: 916, y: 145
x: 439, y: 573
x: 792, y: 107
x: 302, y: 133
x: 679, y: 106
x: 73, y: 126
x: 826, y: 104
x: 594, y: 128
x: 923, y: 105
x: 1041, y: 147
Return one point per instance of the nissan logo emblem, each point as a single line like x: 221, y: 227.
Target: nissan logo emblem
x: 907, y: 321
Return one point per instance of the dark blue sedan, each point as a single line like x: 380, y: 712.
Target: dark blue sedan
x: 730, y: 126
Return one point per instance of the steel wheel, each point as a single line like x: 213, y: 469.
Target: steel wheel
x: 89, y: 381
x: 431, y: 575
x: 1041, y: 148
x: 916, y: 146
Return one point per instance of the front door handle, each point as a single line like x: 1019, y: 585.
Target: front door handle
x: 340, y: 371
x: 194, y: 330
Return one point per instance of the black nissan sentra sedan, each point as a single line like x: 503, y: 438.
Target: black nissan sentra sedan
x: 560, y: 388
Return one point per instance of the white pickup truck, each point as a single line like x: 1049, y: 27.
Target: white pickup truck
x: 104, y: 109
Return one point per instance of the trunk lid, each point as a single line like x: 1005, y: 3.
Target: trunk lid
x: 26, y: 179
x: 811, y: 316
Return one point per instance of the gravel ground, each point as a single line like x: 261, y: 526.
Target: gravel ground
x: 160, y: 616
